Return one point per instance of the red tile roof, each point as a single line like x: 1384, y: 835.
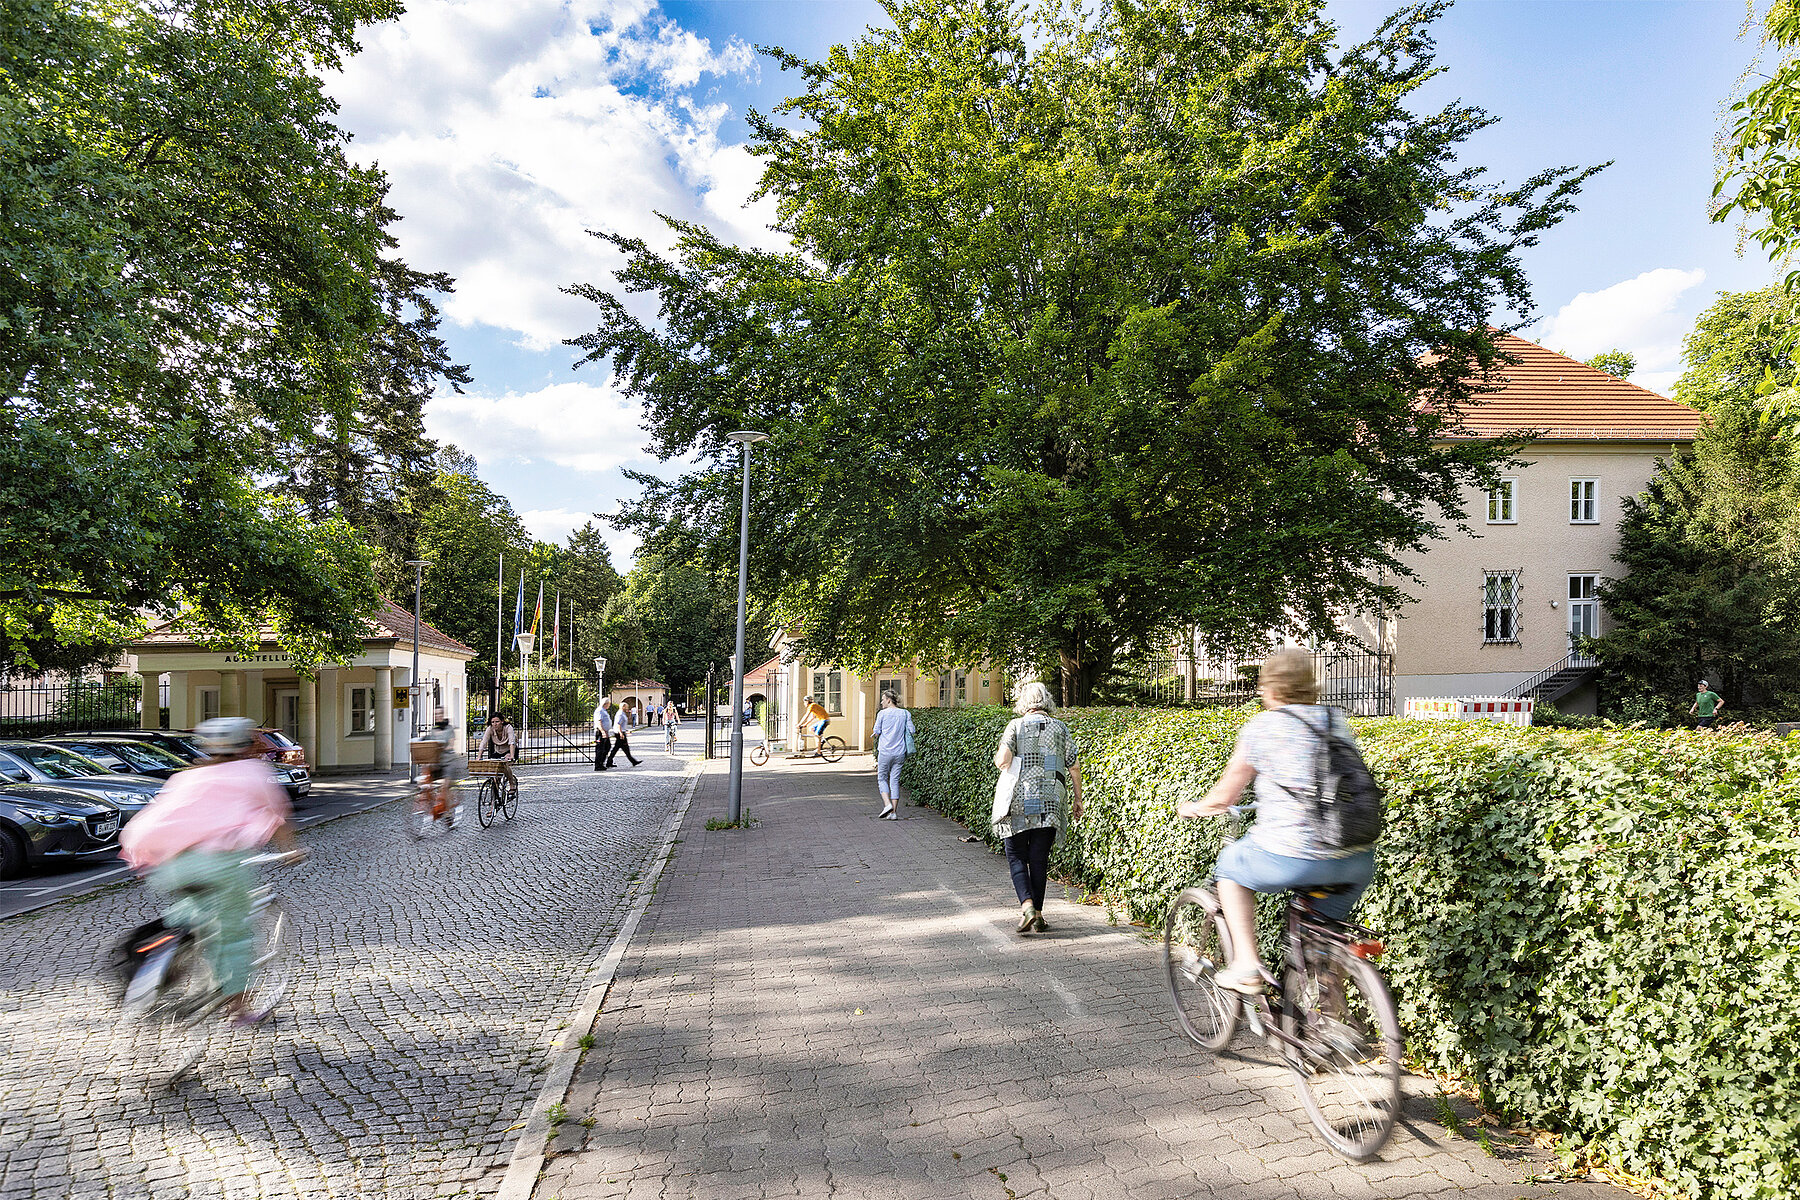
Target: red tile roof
x: 1558, y: 398
x: 389, y: 623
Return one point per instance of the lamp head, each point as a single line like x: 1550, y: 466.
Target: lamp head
x: 746, y: 437
x: 418, y: 562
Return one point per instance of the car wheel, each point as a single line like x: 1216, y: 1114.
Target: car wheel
x: 12, y: 856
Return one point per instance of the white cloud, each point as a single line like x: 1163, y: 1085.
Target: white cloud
x: 554, y: 524
x: 508, y: 130
x: 578, y: 426
x: 1638, y: 315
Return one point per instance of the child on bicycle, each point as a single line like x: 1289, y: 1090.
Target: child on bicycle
x: 1276, y: 750
x: 190, y: 842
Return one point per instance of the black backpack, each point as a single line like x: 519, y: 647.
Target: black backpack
x: 1349, y: 807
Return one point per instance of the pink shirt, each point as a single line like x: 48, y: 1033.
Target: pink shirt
x: 227, y: 806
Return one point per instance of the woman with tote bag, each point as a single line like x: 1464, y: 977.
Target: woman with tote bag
x: 1039, y: 755
x: 894, y: 740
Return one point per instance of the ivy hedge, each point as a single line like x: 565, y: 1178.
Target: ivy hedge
x: 1598, y: 929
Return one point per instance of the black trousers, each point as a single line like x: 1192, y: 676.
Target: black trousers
x: 620, y: 742
x: 602, y: 744
x: 1028, y: 854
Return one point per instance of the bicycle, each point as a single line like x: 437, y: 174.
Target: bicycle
x: 433, y: 801
x: 759, y: 753
x: 1330, y: 1017
x: 830, y: 749
x: 668, y: 739
x: 498, y: 795
x: 169, y: 986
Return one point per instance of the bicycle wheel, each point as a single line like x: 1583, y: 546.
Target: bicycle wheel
x: 487, y: 801
x: 759, y: 755
x: 509, y: 798
x: 1347, y: 1068
x: 831, y: 749
x: 418, y: 816
x: 272, y: 970
x: 182, y: 1015
x: 1196, y: 945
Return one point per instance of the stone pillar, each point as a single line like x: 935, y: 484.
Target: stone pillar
x: 309, y: 719
x: 331, y: 718
x: 865, y: 711
x: 181, y: 701
x: 384, y: 718
x: 148, y: 700
x: 255, y: 701
x: 231, y: 693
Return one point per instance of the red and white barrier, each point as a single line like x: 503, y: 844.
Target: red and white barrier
x: 1470, y: 708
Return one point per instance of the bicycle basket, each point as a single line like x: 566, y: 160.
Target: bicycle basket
x: 425, y: 751
x: 482, y: 766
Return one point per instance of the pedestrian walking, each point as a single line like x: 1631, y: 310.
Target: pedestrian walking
x: 1040, y: 757
x: 895, y: 738
x: 603, y: 733
x: 1707, y: 705
x: 622, y: 722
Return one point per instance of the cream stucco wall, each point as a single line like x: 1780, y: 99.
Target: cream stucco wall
x: 861, y: 695
x: 1438, y: 639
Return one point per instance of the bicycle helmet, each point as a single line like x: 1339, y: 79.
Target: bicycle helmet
x: 225, y: 735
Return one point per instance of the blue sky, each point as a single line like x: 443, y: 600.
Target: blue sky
x: 510, y: 127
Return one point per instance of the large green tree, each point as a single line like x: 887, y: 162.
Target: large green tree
x: 1737, y: 352
x: 1711, y: 587
x: 1097, y: 323
x: 190, y: 275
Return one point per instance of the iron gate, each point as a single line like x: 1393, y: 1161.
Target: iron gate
x: 552, y: 711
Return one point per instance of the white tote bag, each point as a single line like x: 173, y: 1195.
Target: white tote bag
x: 1003, y: 792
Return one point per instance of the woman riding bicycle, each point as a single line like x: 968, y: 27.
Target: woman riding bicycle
x: 501, y: 744
x: 192, y: 839
x: 1277, y: 750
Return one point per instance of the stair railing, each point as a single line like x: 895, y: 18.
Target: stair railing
x: 1530, y: 686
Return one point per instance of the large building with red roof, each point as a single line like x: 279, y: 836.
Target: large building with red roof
x: 1497, y: 608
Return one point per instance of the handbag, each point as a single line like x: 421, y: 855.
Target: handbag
x: 1003, y: 792
x: 912, y: 743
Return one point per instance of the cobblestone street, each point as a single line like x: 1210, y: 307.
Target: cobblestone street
x: 434, y: 978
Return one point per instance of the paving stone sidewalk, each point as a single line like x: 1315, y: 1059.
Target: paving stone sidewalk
x: 830, y: 1005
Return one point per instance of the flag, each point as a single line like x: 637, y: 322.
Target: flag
x: 556, y: 632
x: 519, y: 610
x: 536, y: 617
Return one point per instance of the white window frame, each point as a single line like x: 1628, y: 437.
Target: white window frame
x: 351, y: 710
x: 828, y: 689
x: 1578, y: 503
x: 1495, y: 632
x: 1578, y: 594
x: 1503, y: 498
x: 208, y: 702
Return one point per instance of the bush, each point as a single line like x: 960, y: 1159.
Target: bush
x: 1598, y: 929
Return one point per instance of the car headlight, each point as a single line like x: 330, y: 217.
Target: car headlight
x: 126, y: 799
x: 50, y: 816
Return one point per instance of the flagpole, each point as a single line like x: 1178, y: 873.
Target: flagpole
x: 499, y: 645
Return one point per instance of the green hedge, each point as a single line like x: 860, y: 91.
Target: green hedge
x: 1599, y: 929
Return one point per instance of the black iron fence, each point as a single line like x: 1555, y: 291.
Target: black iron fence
x: 40, y: 707
x: 552, y: 712
x: 1357, y: 680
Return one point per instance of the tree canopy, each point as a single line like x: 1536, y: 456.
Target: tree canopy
x: 192, y: 274
x: 1096, y: 324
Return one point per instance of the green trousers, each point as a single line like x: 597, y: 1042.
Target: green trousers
x: 212, y: 897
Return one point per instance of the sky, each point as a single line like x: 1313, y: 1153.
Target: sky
x: 512, y: 129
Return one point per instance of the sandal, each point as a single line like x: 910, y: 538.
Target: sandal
x: 1245, y: 983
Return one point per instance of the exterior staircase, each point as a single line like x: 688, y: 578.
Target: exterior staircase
x: 1556, y: 681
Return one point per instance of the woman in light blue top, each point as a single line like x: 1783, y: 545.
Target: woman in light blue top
x: 893, y: 729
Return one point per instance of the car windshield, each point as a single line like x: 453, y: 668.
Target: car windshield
x: 58, y: 763
x: 280, y: 739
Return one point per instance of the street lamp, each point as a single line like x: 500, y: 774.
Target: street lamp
x: 416, y: 694
x: 523, y: 641
x: 745, y: 438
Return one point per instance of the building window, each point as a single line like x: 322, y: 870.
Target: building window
x: 1584, y: 611
x: 362, y: 710
x: 209, y: 703
x: 1500, y: 606
x: 1584, y: 501
x: 828, y: 689
x: 944, y: 690
x: 962, y: 687
x: 1503, y: 503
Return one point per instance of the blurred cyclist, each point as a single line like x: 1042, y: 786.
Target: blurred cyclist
x: 1286, y: 848
x: 448, y: 768
x: 192, y: 839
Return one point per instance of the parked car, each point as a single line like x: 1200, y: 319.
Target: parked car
x: 38, y: 762
x: 42, y: 824
x: 121, y: 753
x: 177, y: 742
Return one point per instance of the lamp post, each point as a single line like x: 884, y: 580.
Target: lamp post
x: 415, y: 693
x: 524, y: 641
x: 745, y: 438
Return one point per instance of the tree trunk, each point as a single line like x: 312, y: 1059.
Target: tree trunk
x: 1082, y: 669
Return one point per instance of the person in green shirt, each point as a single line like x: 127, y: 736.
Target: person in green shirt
x: 1707, y: 706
